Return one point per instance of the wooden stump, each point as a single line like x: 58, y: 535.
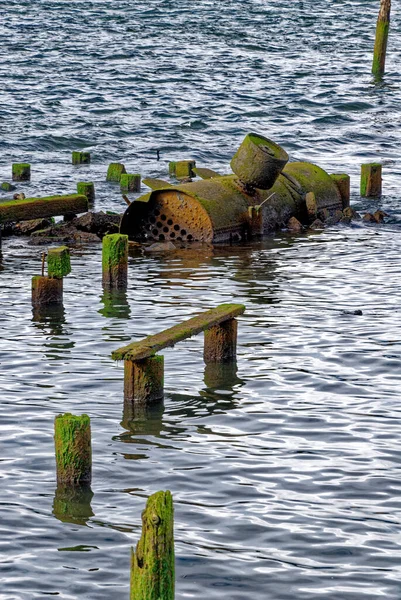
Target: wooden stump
x: 21, y: 172
x: 80, y: 158
x: 87, y: 188
x: 221, y: 342
x: 382, y: 30
x: 144, y: 380
x: 181, y: 169
x: 72, y: 438
x: 130, y: 182
x: 115, y: 261
x: 343, y: 182
x: 152, y: 563
x: 371, y: 180
x: 58, y: 262
x: 46, y: 291
x: 115, y: 171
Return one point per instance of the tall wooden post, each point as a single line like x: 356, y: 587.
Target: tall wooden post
x: 221, y: 342
x: 152, y: 563
x: 371, y: 180
x: 72, y: 439
x: 144, y: 380
x: 382, y: 29
x: 115, y: 261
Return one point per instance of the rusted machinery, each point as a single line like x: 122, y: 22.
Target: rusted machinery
x: 263, y: 194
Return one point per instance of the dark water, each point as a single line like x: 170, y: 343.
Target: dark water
x: 286, y: 471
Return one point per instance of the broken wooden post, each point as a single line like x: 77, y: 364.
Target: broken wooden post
x: 382, y: 30
x: 130, y: 182
x: 221, y: 342
x: 40, y: 208
x: 21, y: 172
x: 181, y: 169
x: 81, y: 158
x: 58, y: 262
x: 152, y: 562
x: 343, y: 182
x: 115, y: 171
x: 72, y: 439
x: 46, y: 291
x: 371, y: 180
x: 87, y: 188
x: 115, y: 261
x: 144, y: 380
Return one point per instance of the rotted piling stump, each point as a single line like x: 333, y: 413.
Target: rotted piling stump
x: 46, y: 291
x: 58, y: 262
x: 115, y: 261
x: 21, y: 172
x: 130, y: 182
x: 115, y: 171
x: 72, y: 439
x: 153, y: 562
x: 382, y: 31
x: 343, y: 182
x: 144, y: 380
x: 7, y: 187
x: 182, y: 169
x: 371, y: 180
x: 221, y: 342
x: 80, y: 158
x: 87, y: 188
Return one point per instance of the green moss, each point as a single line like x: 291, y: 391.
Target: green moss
x: 130, y: 182
x: 21, y: 171
x: 7, y: 187
x: 312, y: 178
x: 72, y: 437
x: 58, y: 262
x: 152, y: 563
x: 115, y: 250
x: 153, y: 343
x: 81, y: 158
x: 86, y: 188
x: 379, y: 55
x: 115, y: 171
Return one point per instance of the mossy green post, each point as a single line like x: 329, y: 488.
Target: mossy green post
x: 181, y: 169
x: 40, y: 208
x: 221, y: 342
x: 130, y: 182
x: 21, y: 172
x: 58, y: 262
x: 371, y: 180
x: 343, y: 182
x: 171, y: 168
x: 72, y: 439
x: 382, y: 31
x: 87, y: 188
x: 144, y: 380
x: 115, y: 171
x: 152, y: 563
x: 258, y: 161
x: 81, y: 158
x: 46, y: 291
x: 7, y: 187
x: 115, y: 261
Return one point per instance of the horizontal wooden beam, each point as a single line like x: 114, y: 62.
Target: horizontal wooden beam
x: 153, y: 343
x: 40, y: 208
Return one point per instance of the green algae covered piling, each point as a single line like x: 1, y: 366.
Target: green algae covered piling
x: 87, y: 188
x: 115, y: 261
x: 182, y: 169
x: 21, y: 172
x: 152, y: 562
x: 130, y: 182
x: 371, y: 180
x: 46, y: 291
x: 58, y: 262
x: 72, y: 439
x: 144, y: 380
x: 115, y: 171
x: 80, y: 158
x: 382, y: 31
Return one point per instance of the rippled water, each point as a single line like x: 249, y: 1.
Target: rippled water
x: 286, y: 471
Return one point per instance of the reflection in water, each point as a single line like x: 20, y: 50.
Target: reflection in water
x: 115, y: 304
x: 73, y: 504
x: 140, y: 419
x: 49, y: 319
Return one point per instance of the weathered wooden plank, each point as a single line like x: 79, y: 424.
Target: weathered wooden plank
x: 204, y: 173
x: 39, y: 208
x: 156, y: 184
x: 153, y: 343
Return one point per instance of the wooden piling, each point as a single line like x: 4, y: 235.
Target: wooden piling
x: 7, y: 187
x: 72, y: 439
x: 221, y: 342
x: 115, y: 261
x: 80, y: 158
x: 152, y: 563
x: 343, y: 182
x: 182, y: 169
x: 115, y: 171
x: 371, y: 180
x: 21, y: 172
x: 87, y: 188
x: 130, y: 182
x: 144, y: 380
x: 58, y: 262
x: 46, y: 291
x: 382, y: 30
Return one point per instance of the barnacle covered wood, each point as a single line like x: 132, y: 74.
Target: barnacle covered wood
x: 153, y: 343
